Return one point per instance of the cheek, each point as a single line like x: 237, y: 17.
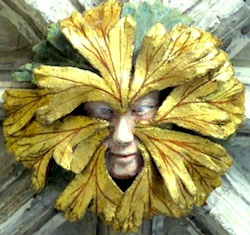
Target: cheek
x: 107, y: 142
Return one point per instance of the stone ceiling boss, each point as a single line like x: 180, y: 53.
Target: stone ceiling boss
x: 132, y: 105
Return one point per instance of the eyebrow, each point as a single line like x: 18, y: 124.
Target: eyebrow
x: 94, y: 105
x: 148, y: 100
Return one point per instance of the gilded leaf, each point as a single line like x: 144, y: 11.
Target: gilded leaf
x: 135, y: 203
x: 229, y: 98
x: 170, y: 59
x: 79, y: 156
x: 35, y: 145
x: 94, y: 186
x: 141, y: 199
x: 39, y: 167
x: 21, y: 106
x: 104, y: 16
x: 146, y: 197
x: 72, y: 148
x: 178, y: 156
x: 209, y: 106
x: 160, y: 200
x: 70, y: 87
x: 106, y: 45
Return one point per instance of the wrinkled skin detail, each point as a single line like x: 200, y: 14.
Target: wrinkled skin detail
x: 127, y: 124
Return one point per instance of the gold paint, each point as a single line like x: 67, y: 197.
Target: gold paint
x: 180, y: 159
x: 108, y: 46
x: 205, y: 98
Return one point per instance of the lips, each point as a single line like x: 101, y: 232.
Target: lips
x: 121, y: 155
x: 123, y: 166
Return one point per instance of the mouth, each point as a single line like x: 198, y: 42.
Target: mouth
x: 117, y: 155
x: 123, y: 166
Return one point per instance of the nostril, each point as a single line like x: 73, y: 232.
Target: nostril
x: 122, y: 142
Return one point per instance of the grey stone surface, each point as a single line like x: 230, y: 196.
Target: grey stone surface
x: 10, y: 38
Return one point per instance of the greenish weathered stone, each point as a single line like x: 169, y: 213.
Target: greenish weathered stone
x: 24, y: 73
x: 56, y: 38
x: 147, y: 15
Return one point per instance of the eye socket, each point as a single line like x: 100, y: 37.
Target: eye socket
x: 98, y: 110
x: 146, y: 107
x: 102, y: 112
x: 144, y: 111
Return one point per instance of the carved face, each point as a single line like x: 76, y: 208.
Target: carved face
x: 123, y: 158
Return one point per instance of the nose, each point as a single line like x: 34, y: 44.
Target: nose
x: 123, y: 134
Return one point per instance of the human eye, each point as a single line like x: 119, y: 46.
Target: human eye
x: 141, y: 110
x: 146, y: 107
x: 103, y: 112
x: 144, y: 112
x: 99, y: 110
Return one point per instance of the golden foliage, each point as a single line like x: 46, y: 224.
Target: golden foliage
x: 37, y: 144
x: 92, y: 185
x: 20, y: 106
x: 70, y: 88
x: 188, y: 164
x: 208, y: 106
x: 107, y: 43
x: 180, y: 170
x: 169, y: 59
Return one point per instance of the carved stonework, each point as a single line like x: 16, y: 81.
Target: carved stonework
x: 22, y: 213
